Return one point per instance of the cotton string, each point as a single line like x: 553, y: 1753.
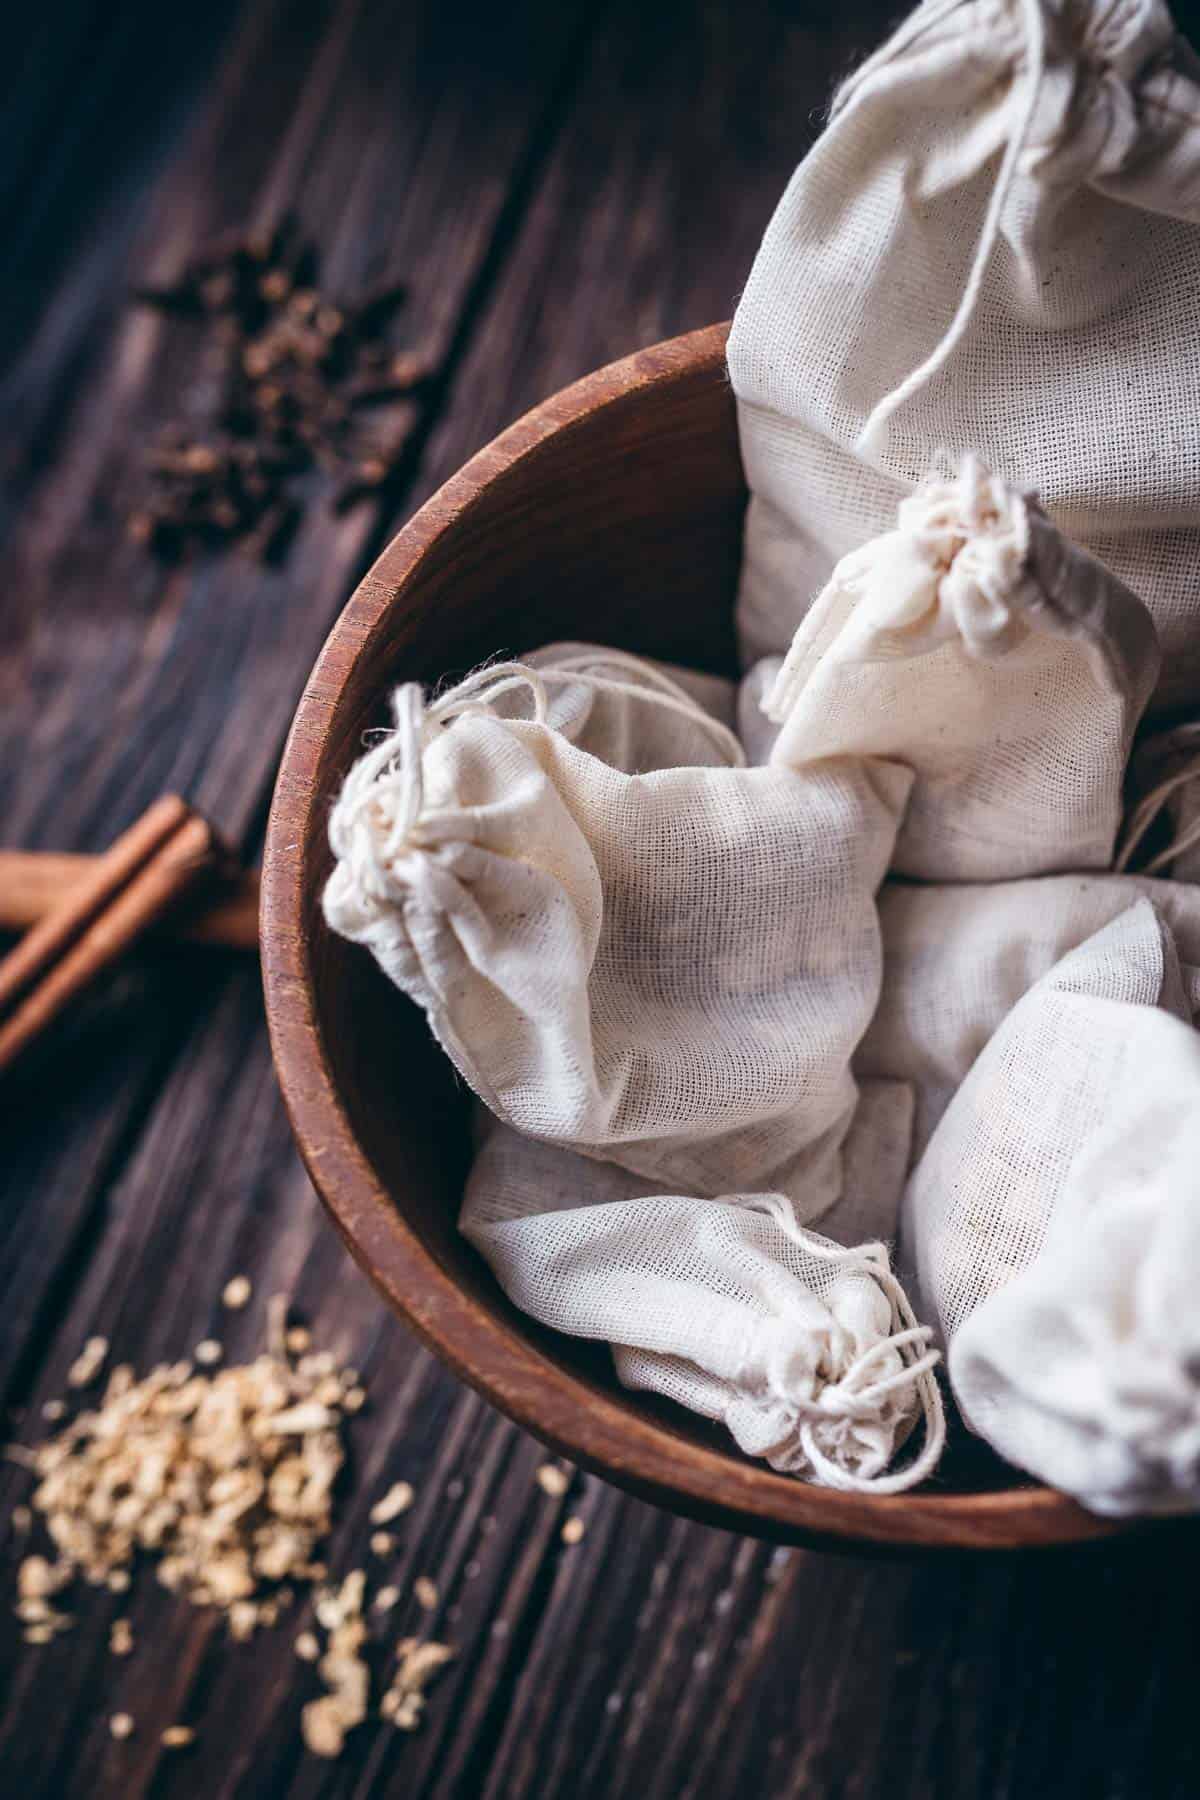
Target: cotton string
x: 871, y: 438
x: 1147, y: 811
x: 855, y: 1397
x: 387, y: 785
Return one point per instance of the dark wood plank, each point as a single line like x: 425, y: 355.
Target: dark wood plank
x: 89, y: 96
x: 400, y: 134
x: 647, y: 219
x: 654, y: 1658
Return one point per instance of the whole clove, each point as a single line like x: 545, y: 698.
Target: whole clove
x: 298, y: 368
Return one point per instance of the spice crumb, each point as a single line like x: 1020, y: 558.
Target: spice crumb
x: 88, y: 1364
x: 417, y: 1663
x: 38, y: 1578
x: 573, y: 1530
x: 54, y: 1409
x: 322, y: 1728
x: 225, y: 1478
x: 325, y: 1722
x: 553, y: 1480
x: 298, y: 1339
x: 277, y: 1312
x: 382, y: 1543
x: 354, y: 1399
x: 425, y: 1592
x: 121, y: 1725
x: 208, y: 1352
x: 236, y: 1292
x: 306, y: 1647
x: 386, y: 1598
x: 175, y: 1737
x: 397, y: 1500
x: 244, y: 1616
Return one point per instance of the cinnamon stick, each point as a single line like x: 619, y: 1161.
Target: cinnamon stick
x: 35, y: 882
x: 47, y: 941
x: 66, y: 960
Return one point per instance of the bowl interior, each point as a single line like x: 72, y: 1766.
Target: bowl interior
x: 613, y: 513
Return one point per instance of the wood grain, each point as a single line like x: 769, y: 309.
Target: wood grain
x: 657, y: 1657
x: 128, y: 679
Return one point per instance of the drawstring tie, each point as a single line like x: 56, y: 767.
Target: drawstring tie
x: 858, y: 1396
x: 872, y: 439
x: 954, y: 569
x: 378, y: 815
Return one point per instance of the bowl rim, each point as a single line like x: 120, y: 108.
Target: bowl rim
x: 635, y: 1451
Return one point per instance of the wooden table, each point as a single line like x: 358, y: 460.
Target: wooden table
x: 560, y: 183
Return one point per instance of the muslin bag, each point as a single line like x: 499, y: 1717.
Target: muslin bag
x: 958, y: 958
x: 980, y: 1207
x: 993, y: 247
x: 1001, y: 663
x: 1085, y: 1367
x: 804, y: 1348
x: 669, y: 969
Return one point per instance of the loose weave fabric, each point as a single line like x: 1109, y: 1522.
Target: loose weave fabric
x: 1085, y: 1367
x: 612, y: 704
x: 668, y: 969
x: 1001, y: 663
x: 994, y: 246
x: 805, y: 1349
x: 757, y: 732
x: 983, y: 1197
x: 957, y: 959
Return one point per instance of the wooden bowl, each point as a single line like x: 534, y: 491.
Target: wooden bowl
x: 613, y: 512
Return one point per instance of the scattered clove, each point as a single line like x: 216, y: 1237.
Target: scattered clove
x: 298, y: 368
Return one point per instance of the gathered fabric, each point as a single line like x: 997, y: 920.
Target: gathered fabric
x: 1049, y: 1228
x: 957, y: 959
x: 670, y: 969
x: 806, y: 1350
x: 982, y: 1196
x: 1005, y: 667
x: 993, y: 247
x: 1085, y: 1367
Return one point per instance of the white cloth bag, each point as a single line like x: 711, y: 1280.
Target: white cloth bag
x: 1002, y: 664
x: 668, y: 969
x: 1085, y: 1367
x: 957, y: 959
x: 982, y: 1196
x: 805, y: 1349
x: 993, y: 247
x: 990, y: 1200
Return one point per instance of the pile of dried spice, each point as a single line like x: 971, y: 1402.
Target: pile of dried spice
x: 224, y: 1477
x: 298, y: 369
